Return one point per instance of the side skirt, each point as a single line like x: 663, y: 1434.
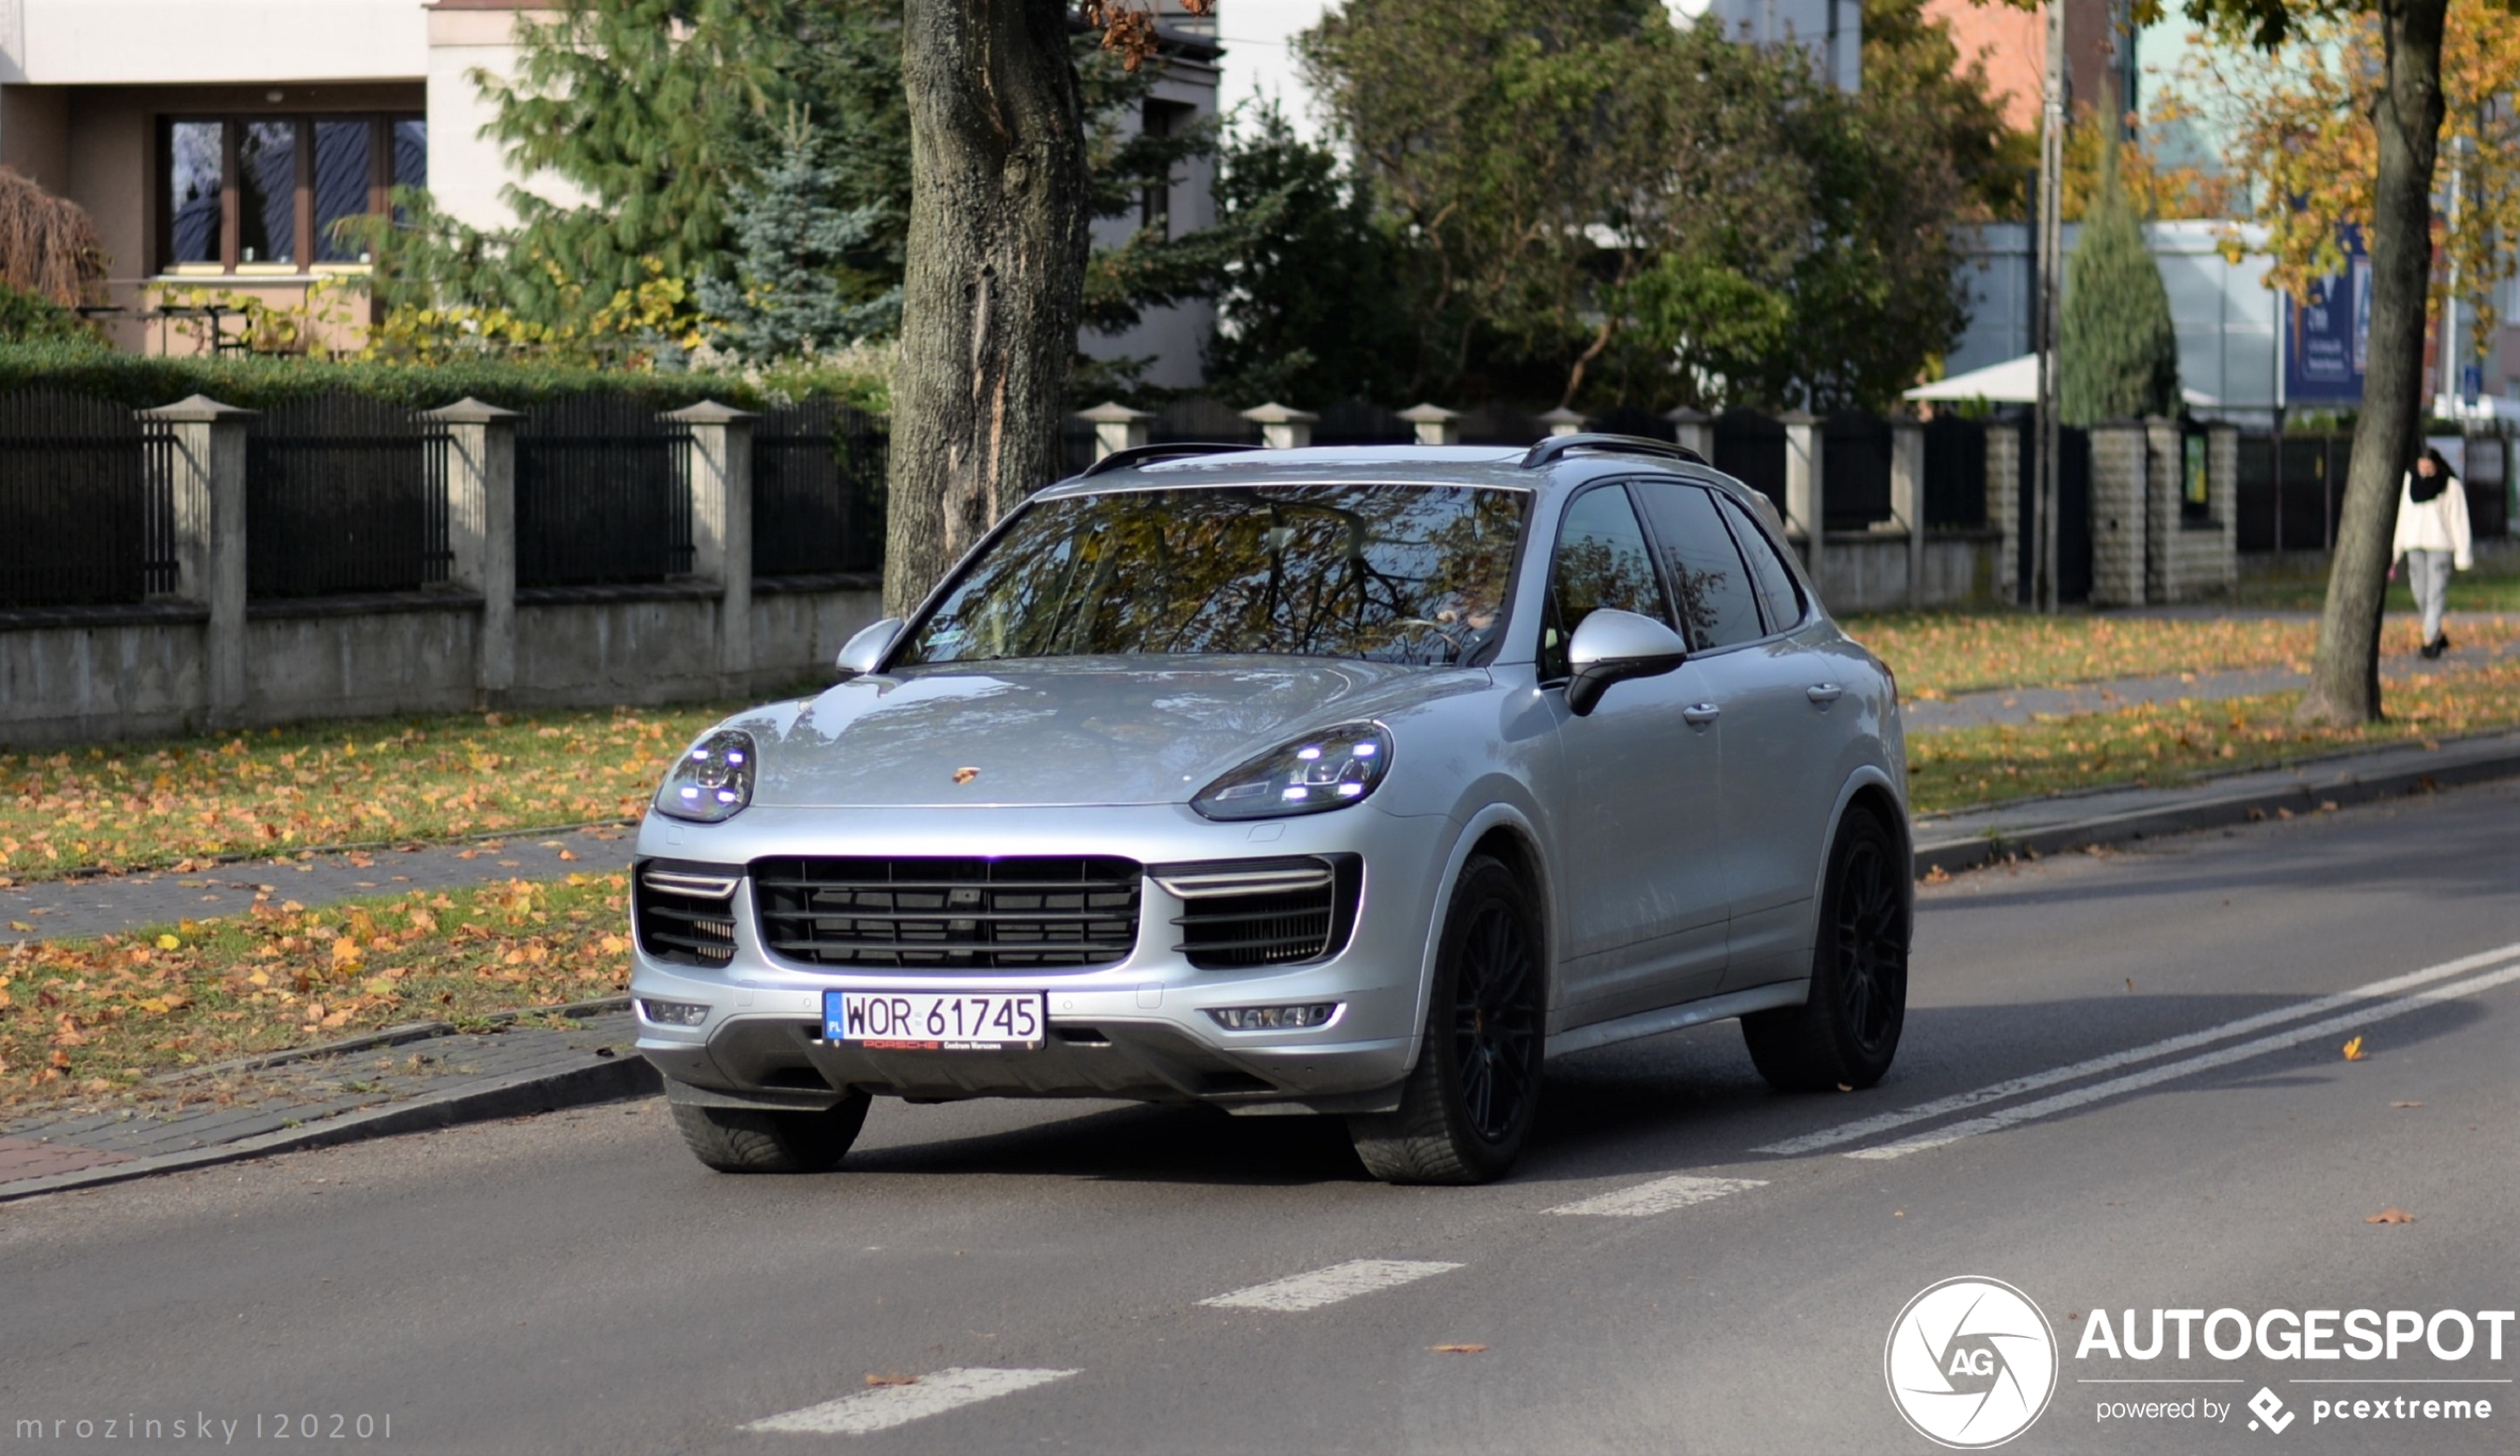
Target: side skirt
x: 1672, y: 1018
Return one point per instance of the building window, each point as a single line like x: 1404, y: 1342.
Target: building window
x: 1162, y: 119
x: 267, y: 194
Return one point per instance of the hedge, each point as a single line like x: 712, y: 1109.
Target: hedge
x: 259, y: 382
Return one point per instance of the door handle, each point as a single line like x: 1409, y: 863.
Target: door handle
x: 1822, y: 694
x: 1699, y: 715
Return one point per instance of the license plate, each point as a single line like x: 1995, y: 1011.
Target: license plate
x: 924, y: 1021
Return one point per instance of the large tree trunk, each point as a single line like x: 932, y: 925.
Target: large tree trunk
x: 995, y: 277
x: 2344, y: 676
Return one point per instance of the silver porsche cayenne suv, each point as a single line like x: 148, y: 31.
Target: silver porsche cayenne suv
x: 1345, y: 781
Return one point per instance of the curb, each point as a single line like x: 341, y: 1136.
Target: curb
x: 1953, y: 855
x: 592, y: 1079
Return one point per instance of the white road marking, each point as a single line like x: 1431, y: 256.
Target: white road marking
x: 2135, y: 1081
x: 887, y: 1407
x: 2169, y: 1046
x: 1659, y: 1196
x: 1329, y: 1286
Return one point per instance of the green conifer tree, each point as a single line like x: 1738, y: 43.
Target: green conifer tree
x: 2117, y: 356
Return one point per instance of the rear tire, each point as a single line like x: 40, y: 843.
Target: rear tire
x: 744, y: 1139
x: 1469, y: 1101
x: 1846, y: 1032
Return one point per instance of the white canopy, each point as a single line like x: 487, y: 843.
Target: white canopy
x: 2013, y: 382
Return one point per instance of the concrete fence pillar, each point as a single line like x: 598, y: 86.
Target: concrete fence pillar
x: 207, y: 482
x: 1562, y: 421
x: 1695, y: 430
x: 1434, y: 425
x: 721, y: 480
x: 2223, y: 497
x: 1282, y: 428
x: 1117, y: 427
x: 1806, y: 503
x: 1907, y: 498
x: 480, y: 483
x: 2005, y: 449
x: 2120, y: 474
x: 2165, y: 513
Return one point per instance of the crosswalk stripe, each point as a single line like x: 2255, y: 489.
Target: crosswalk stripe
x: 1659, y: 1196
x: 886, y: 1406
x: 1329, y: 1286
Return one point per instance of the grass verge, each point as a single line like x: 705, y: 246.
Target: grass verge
x: 2176, y: 742
x: 1942, y: 655
x: 97, y: 1018
x: 151, y: 805
x: 2470, y: 592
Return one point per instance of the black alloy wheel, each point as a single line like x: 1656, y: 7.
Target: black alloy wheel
x: 1496, y: 1022
x: 1845, y: 1032
x: 1469, y: 1101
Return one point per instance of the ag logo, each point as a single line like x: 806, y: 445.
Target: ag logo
x: 1970, y: 1362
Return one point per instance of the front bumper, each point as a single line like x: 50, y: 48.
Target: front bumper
x: 1138, y: 1028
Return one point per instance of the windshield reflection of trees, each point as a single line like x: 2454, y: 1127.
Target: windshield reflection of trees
x: 1411, y: 574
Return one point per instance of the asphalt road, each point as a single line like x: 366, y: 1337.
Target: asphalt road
x: 577, y: 1283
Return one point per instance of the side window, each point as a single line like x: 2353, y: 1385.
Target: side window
x: 1778, y: 592
x: 1708, y: 578
x: 1602, y: 561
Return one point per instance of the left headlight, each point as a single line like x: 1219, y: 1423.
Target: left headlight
x: 1327, y: 770
x: 711, y: 781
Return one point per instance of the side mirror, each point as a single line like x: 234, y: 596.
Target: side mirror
x: 867, y: 647
x: 1612, y: 646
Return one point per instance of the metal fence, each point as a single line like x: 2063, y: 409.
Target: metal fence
x: 818, y: 490
x: 342, y: 493
x: 1499, y: 425
x: 1750, y: 447
x: 1856, y: 471
x: 1955, y: 472
x: 1200, y: 420
x: 1361, y: 423
x: 77, y: 503
x: 600, y: 496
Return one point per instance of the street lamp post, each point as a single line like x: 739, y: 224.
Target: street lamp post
x: 2051, y: 293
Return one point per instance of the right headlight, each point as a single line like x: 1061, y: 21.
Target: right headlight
x: 712, y: 781
x: 1327, y: 770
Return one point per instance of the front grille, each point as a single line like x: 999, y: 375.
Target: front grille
x: 686, y: 913
x: 1239, y: 914
x: 949, y: 913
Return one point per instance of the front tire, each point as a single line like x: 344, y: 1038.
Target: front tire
x: 744, y: 1139
x: 1846, y: 1032
x: 1469, y: 1101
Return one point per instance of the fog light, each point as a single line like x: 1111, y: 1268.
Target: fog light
x: 673, y: 1013
x: 1274, y: 1017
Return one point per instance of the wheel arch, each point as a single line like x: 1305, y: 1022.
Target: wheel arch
x: 1502, y: 832
x: 1870, y: 790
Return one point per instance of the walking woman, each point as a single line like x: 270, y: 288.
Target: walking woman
x: 2432, y: 538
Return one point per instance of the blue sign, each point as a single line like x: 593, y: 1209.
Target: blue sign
x: 2327, y: 343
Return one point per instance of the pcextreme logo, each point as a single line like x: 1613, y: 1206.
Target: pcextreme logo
x: 1972, y: 1363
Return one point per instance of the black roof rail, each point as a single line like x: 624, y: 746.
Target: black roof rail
x: 1141, y: 454
x: 1557, y: 447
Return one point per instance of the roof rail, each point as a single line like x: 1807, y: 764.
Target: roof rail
x: 1557, y: 447
x: 1142, y: 454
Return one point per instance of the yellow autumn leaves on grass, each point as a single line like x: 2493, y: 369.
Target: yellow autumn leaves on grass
x: 97, y: 1017
x: 271, y: 791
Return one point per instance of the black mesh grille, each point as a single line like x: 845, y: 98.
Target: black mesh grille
x: 682, y: 927
x: 1224, y: 932
x: 949, y: 913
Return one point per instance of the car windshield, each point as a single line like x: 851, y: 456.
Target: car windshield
x: 1394, y: 574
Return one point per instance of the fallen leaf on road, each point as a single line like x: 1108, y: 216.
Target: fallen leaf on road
x: 2391, y: 1216
x: 2353, y: 1049
x: 20, y: 925
x: 1458, y: 1349
x: 1936, y: 874
x: 2406, y: 1104
x: 568, y: 854
x: 879, y: 1381
x: 1844, y: 1087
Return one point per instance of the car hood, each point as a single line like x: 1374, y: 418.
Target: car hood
x: 1065, y: 731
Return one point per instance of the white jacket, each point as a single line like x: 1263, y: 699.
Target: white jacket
x: 2437, y: 524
